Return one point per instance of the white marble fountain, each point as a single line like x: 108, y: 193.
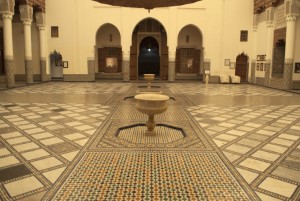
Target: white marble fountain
x: 149, y: 78
x: 151, y: 104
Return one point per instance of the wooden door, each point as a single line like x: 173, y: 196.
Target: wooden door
x: 241, y: 68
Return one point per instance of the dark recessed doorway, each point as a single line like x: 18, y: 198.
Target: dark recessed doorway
x: 149, y: 59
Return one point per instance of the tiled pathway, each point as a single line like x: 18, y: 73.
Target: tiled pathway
x: 262, y: 142
x: 41, y: 142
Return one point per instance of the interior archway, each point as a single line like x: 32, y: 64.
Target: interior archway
x: 108, y: 49
x: 149, y: 59
x: 149, y: 32
x: 189, y: 52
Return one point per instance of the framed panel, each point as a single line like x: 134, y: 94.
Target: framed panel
x: 227, y: 62
x: 54, y: 31
x: 232, y: 65
x: 65, y: 64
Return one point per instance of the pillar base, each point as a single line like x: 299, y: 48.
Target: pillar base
x: 29, y: 71
x: 9, y: 72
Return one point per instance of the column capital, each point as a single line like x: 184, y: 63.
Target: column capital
x: 41, y: 28
x: 270, y: 24
x: 7, y: 15
x: 255, y: 28
x: 27, y: 22
x: 290, y: 18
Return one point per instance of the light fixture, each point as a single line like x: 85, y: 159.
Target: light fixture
x: 147, y: 4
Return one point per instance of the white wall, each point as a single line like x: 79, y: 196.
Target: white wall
x: 237, y: 16
x: 220, y: 22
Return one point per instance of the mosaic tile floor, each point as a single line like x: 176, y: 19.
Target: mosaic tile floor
x: 84, y: 141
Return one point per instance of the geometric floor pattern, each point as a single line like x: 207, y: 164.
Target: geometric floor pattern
x: 215, y: 142
x: 150, y: 176
x: 262, y: 142
x: 39, y: 140
x: 72, y: 88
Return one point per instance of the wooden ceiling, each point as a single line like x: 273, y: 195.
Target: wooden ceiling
x: 38, y: 5
x: 261, y: 5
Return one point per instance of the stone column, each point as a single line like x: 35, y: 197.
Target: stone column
x: 91, y: 69
x: 40, y: 22
x: 270, y: 39
x: 289, y: 51
x: 126, y: 67
x: 291, y: 13
x: 206, y: 68
x: 26, y: 12
x: 254, y: 53
x: 8, y: 50
x: 253, y: 62
x: 171, y: 70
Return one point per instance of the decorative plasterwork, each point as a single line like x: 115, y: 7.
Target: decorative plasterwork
x: 26, y: 12
x: 7, y: 6
x: 40, y: 19
x: 280, y: 19
x: 270, y: 14
x: 292, y: 7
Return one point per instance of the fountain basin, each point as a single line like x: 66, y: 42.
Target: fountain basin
x: 149, y: 77
x: 151, y: 104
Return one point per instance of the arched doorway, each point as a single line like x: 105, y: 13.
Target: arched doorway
x: 149, y: 32
x: 149, y: 59
x: 189, y: 51
x: 241, y: 68
x: 108, y: 49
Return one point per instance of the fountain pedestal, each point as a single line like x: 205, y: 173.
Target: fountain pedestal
x: 151, y: 104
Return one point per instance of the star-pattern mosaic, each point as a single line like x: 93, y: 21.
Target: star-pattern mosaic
x: 151, y: 176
